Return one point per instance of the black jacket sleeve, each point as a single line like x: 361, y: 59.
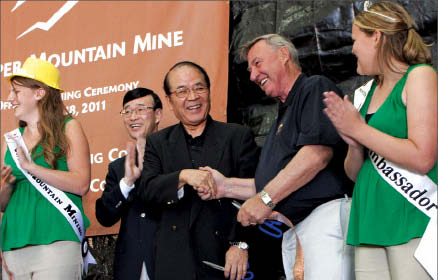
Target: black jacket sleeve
x: 157, y: 188
x: 112, y: 204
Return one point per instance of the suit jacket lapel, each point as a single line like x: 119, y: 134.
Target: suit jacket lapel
x: 179, y: 154
x: 211, y: 155
x: 213, y: 148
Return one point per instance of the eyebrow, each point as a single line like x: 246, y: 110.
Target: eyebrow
x: 200, y: 83
x: 137, y: 105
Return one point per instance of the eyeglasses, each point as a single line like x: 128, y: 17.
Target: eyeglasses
x: 184, y: 91
x: 367, y: 5
x: 140, y: 110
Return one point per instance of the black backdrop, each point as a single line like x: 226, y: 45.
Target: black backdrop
x: 321, y: 31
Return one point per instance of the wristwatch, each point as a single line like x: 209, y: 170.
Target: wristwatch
x: 267, y: 199
x: 241, y: 245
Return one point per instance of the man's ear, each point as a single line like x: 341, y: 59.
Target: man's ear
x: 169, y: 102
x: 39, y: 93
x: 158, y: 113
x: 284, y: 54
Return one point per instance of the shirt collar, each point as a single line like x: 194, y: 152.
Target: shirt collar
x: 201, y: 137
x: 295, y: 88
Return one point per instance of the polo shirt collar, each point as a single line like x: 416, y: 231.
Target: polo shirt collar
x: 201, y: 137
x: 295, y: 88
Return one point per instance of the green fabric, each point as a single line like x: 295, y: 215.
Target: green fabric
x: 30, y: 219
x: 379, y: 214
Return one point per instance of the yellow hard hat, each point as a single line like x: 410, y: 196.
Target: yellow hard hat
x: 39, y: 70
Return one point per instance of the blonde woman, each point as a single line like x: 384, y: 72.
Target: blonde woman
x: 393, y: 136
x: 37, y: 240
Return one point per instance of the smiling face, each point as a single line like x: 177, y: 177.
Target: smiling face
x: 192, y: 110
x: 365, y: 50
x: 140, y: 125
x: 24, y: 101
x: 267, y: 66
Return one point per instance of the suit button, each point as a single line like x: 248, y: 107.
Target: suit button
x: 173, y: 228
x: 217, y: 233
x: 143, y: 215
x: 170, y: 202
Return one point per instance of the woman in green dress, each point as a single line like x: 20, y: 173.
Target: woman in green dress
x: 397, y: 127
x: 37, y: 240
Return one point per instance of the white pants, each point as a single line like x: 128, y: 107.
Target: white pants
x: 55, y: 261
x: 322, y: 235
x: 144, y: 273
x: 389, y: 262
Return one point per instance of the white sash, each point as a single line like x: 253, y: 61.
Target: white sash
x: 55, y: 196
x: 421, y: 192
x: 360, y: 94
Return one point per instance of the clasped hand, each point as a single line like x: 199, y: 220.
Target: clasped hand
x: 202, y: 182
x: 132, y: 171
x: 23, y: 159
x: 7, y: 177
x: 253, y: 212
x: 343, y: 115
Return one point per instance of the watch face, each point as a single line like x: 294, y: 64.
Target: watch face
x: 240, y: 245
x: 265, y: 199
x: 243, y: 246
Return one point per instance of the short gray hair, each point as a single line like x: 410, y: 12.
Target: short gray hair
x: 276, y: 41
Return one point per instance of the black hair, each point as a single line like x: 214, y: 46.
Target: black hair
x: 142, y: 92
x: 185, y: 63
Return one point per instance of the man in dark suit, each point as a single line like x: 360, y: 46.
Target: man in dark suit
x: 133, y: 258
x: 191, y: 230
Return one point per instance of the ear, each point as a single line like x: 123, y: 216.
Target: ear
x: 39, y: 93
x: 158, y: 113
x: 284, y: 54
x: 169, y: 102
x: 377, y: 36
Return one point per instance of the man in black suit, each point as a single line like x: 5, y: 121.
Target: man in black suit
x: 191, y: 230
x: 133, y: 258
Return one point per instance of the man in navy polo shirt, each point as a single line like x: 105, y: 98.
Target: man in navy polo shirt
x: 300, y: 173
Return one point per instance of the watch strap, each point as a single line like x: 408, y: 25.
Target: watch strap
x: 240, y: 245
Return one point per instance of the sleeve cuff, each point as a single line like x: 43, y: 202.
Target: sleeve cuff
x: 125, y: 189
x: 181, y: 193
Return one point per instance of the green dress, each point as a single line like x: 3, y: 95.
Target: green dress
x: 379, y: 214
x: 30, y: 219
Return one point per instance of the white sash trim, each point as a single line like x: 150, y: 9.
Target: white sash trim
x: 421, y: 192
x: 55, y: 196
x: 360, y: 94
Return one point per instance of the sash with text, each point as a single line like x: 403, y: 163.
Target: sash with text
x: 421, y: 192
x: 55, y: 196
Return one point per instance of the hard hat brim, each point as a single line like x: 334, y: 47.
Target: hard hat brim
x: 9, y: 78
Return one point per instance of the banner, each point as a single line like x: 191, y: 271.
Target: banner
x: 105, y: 48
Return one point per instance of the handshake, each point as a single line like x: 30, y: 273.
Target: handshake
x: 208, y: 182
